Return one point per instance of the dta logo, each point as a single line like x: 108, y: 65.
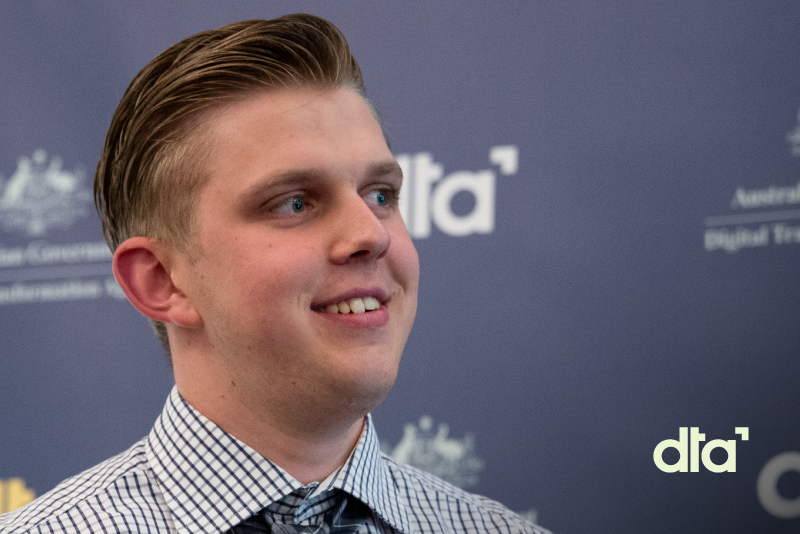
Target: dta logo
x: 419, y: 206
x: 40, y: 194
x: 685, y: 443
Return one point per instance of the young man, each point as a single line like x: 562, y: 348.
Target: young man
x: 251, y: 200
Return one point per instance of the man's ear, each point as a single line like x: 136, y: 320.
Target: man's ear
x: 143, y: 269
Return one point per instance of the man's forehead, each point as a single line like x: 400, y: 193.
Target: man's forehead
x: 296, y: 131
x: 274, y: 103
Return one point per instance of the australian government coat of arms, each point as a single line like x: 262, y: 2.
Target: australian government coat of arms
x: 434, y: 451
x: 41, y: 194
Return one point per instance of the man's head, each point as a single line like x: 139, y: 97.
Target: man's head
x: 289, y: 288
x: 153, y: 162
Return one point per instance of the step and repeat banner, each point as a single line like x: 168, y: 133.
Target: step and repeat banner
x: 605, y: 198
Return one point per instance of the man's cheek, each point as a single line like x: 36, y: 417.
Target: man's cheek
x: 407, y: 265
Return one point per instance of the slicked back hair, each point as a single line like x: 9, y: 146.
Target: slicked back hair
x: 151, y: 169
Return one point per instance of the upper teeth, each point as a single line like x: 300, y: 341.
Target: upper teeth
x: 354, y: 305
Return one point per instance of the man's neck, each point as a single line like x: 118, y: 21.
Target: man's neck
x: 307, y: 445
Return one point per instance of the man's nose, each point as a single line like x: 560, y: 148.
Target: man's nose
x: 360, y: 235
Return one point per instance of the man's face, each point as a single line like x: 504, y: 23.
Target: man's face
x: 298, y: 216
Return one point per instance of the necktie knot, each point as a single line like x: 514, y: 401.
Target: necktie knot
x: 333, y: 512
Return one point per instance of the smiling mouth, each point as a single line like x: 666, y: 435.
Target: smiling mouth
x: 357, y: 305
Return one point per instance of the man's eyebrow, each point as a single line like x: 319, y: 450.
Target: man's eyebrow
x: 385, y: 168
x: 288, y: 179
x: 302, y: 177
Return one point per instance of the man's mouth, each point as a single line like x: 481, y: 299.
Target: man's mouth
x: 356, y: 305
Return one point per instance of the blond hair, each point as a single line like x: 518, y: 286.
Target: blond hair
x: 151, y: 167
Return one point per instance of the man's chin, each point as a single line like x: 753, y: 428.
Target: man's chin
x: 359, y: 397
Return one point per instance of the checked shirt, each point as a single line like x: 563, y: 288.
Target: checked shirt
x: 189, y: 476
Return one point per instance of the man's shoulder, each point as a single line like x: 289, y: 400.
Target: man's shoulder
x: 118, y: 495
x: 428, y: 498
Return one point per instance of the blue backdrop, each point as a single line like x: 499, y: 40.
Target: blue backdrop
x: 605, y: 198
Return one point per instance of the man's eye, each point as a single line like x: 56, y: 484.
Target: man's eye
x: 291, y: 205
x: 380, y: 197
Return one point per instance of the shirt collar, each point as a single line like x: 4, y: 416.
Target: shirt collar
x: 366, y: 477
x: 212, y: 481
